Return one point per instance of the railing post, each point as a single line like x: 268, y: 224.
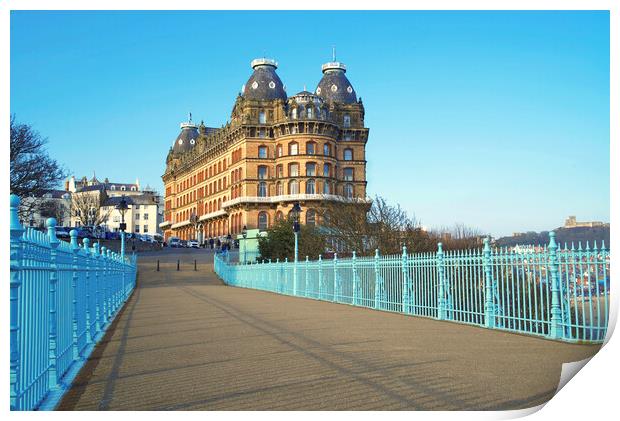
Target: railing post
x: 379, y: 286
x: 110, y: 283
x: 104, y: 288
x: 16, y: 261
x: 306, y: 281
x: 355, y: 280
x: 86, y: 245
x: 406, y: 282
x: 441, y: 298
x: 555, y: 329
x: 336, y: 280
x: 75, y: 248
x: 489, y: 304
x: 98, y: 309
x: 320, y: 277
x: 53, y: 329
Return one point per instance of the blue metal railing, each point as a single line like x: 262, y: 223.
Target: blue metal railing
x: 63, y: 297
x: 558, y: 293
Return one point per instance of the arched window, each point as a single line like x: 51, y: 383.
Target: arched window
x: 326, y: 189
x: 310, y: 187
x: 310, y: 169
x: 123, y: 188
x: 293, y: 169
x: 310, y: 148
x: 279, y: 171
x: 262, y: 151
x: 293, y: 148
x: 294, y: 113
x: 348, y: 174
x: 348, y: 154
x: 279, y: 215
x: 279, y: 151
x: 348, y: 191
x: 279, y: 189
x: 262, y: 189
x: 326, y: 149
x: 326, y: 168
x: 346, y: 120
x: 113, y: 187
x: 310, y: 217
x: 263, y: 221
x: 293, y: 187
x: 262, y: 172
x: 309, y: 112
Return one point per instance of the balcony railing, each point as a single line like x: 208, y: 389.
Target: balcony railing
x: 293, y: 198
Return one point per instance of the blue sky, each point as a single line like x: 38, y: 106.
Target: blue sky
x: 499, y: 120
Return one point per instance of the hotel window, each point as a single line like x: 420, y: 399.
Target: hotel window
x: 294, y: 129
x: 279, y: 151
x: 263, y: 221
x: 294, y: 113
x: 348, y: 174
x: 310, y: 187
x: 279, y: 189
x: 310, y: 148
x: 261, y: 132
x: 262, y: 118
x: 262, y: 151
x: 310, y: 217
x: 293, y: 148
x: 309, y: 112
x: 262, y: 189
x: 348, y: 191
x: 348, y: 154
x: 326, y: 168
x: 293, y: 187
x: 146, y: 216
x: 347, y: 120
x: 262, y: 172
x: 326, y: 188
x: 326, y: 150
x: 279, y: 171
x: 145, y: 228
x: 293, y: 170
x: 310, y: 169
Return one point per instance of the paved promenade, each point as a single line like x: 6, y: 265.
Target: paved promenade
x: 186, y: 342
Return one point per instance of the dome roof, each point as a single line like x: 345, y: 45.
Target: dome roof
x: 334, y: 86
x: 186, y: 139
x: 264, y: 84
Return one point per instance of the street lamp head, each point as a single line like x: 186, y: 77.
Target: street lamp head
x: 295, y: 214
x: 122, y: 206
x: 244, y: 232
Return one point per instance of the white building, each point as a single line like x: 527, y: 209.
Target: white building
x: 142, y: 216
x: 34, y: 211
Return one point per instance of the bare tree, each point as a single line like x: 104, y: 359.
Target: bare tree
x: 87, y: 207
x: 53, y: 209
x: 458, y: 236
x: 32, y: 170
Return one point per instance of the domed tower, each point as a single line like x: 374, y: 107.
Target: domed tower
x: 334, y: 86
x: 264, y: 84
x: 187, y: 138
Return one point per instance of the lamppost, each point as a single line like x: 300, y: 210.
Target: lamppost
x: 295, y: 214
x: 122, y: 208
x: 244, y: 234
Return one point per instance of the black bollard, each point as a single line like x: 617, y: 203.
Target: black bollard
x: 158, y: 266
x: 194, y: 264
x: 178, y: 264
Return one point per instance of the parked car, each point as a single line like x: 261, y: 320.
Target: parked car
x: 174, y: 242
x: 183, y: 243
x: 193, y: 244
x: 158, y: 238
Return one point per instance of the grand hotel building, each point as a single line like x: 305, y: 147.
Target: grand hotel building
x: 275, y: 150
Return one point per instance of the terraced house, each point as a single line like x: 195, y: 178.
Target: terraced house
x: 275, y: 150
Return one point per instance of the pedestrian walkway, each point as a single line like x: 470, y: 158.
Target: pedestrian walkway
x: 186, y: 342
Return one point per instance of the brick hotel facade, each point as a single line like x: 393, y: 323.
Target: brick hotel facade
x: 275, y: 150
